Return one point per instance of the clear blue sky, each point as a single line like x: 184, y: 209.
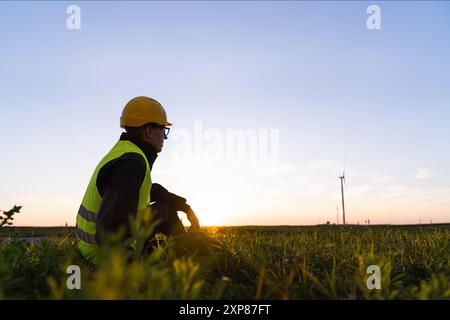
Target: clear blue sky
x: 334, y: 90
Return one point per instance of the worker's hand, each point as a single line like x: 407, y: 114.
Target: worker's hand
x: 195, y: 224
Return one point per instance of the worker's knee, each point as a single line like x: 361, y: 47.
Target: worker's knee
x: 162, y: 211
x: 167, y: 220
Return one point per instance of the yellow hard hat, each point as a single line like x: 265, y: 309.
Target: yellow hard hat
x: 142, y: 110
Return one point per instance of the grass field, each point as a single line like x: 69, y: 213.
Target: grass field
x: 321, y: 262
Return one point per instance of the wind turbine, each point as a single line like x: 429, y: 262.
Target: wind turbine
x: 342, y: 192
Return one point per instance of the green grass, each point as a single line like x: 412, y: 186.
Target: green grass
x: 323, y: 262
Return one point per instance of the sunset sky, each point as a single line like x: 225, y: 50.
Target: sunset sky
x: 308, y: 83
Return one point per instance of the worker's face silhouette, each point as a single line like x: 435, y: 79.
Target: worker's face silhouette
x: 155, y: 136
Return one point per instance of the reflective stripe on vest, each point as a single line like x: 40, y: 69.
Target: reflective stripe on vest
x: 90, y: 206
x: 86, y: 214
x: 86, y: 237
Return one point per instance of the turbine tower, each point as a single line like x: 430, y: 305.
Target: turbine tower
x: 342, y: 192
x: 337, y: 215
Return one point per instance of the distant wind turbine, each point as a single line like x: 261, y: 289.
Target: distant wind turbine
x: 342, y: 192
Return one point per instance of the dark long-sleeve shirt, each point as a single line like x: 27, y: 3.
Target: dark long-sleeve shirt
x: 119, y: 182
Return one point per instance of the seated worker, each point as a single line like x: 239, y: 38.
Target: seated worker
x: 121, y: 184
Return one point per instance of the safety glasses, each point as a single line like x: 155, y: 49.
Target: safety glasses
x: 166, y: 130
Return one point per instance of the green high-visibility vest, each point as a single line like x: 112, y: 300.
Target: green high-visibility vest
x: 90, y: 206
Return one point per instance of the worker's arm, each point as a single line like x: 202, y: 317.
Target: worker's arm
x: 160, y: 194
x: 118, y: 183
